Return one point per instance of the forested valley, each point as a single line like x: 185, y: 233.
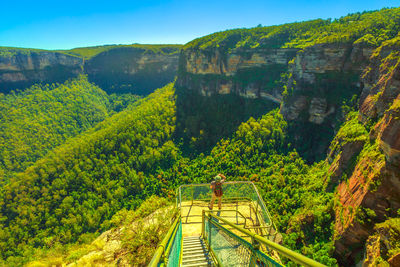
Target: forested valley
x: 76, y: 162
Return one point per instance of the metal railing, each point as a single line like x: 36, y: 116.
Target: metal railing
x: 168, y: 252
x: 221, y: 240
x: 194, y: 194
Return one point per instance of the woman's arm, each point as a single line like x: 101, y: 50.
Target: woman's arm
x: 223, y: 177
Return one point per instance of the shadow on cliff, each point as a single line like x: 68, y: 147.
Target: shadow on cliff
x: 203, y: 120
x: 131, y: 70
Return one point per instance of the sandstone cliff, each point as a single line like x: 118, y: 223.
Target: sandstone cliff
x: 322, y: 76
x: 249, y: 73
x: 372, y: 192
x: 128, y: 69
x: 134, y: 69
x: 22, y: 68
x: 312, y: 84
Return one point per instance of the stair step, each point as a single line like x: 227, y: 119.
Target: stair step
x: 188, y: 250
x: 194, y: 255
x: 194, y: 251
x: 192, y: 246
x: 197, y: 260
x: 196, y: 265
x: 191, y: 243
x: 191, y: 238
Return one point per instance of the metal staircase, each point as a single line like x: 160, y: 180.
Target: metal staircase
x: 240, y: 234
x: 195, y: 252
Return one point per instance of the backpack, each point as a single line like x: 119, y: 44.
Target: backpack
x: 218, y: 189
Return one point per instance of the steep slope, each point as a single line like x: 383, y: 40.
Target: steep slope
x: 132, y: 240
x: 317, y: 70
x: 138, y: 69
x: 21, y: 68
x: 326, y: 210
x: 82, y: 183
x: 310, y: 68
x: 371, y: 194
x: 40, y: 118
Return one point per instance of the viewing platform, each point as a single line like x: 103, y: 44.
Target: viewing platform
x: 241, y: 233
x: 241, y: 205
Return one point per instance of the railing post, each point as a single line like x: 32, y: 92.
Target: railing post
x: 192, y: 193
x: 255, y: 247
x: 209, y: 230
x: 203, y: 223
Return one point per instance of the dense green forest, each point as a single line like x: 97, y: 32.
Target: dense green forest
x: 369, y: 28
x: 42, y: 117
x: 131, y: 156
x: 79, y: 185
x: 78, y: 162
x: 89, y: 52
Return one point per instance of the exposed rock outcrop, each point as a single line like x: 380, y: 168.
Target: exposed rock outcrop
x: 383, y: 244
x: 120, y: 69
x: 326, y: 74
x: 372, y: 193
x: 250, y: 73
x: 387, y: 132
x: 25, y: 68
x: 381, y: 81
x: 129, y: 69
x: 369, y: 196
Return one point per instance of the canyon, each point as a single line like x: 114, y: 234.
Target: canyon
x: 119, y: 69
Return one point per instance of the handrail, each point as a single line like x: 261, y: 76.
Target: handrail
x: 169, y: 246
x: 261, y: 201
x: 162, y: 247
x: 294, y: 256
x: 204, y: 184
x: 263, y: 204
x: 238, y: 212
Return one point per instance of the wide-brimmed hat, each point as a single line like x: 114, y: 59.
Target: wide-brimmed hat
x: 218, y: 178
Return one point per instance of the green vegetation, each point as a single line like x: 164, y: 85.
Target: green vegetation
x: 44, y: 116
x: 119, y: 102
x: 131, y: 156
x: 12, y: 51
x: 387, y: 236
x: 351, y: 131
x: 34, y: 121
x: 138, y: 231
x: 370, y: 28
x: 89, y: 52
x: 84, y: 162
x: 203, y: 121
x: 81, y: 184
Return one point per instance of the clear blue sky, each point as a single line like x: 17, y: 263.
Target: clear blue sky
x: 76, y: 23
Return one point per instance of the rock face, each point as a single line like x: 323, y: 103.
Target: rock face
x: 382, y: 245
x: 120, y: 69
x: 250, y: 73
x: 218, y: 89
x: 317, y: 80
x: 322, y: 76
x: 128, y: 69
x: 26, y: 68
x: 372, y: 193
x: 369, y: 196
